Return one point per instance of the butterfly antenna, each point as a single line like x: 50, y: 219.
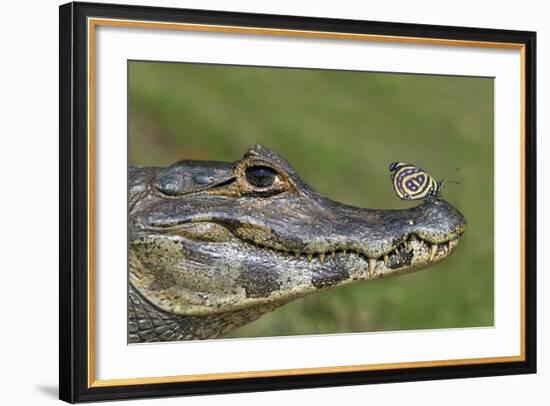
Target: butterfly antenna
x: 445, y: 180
x: 450, y: 173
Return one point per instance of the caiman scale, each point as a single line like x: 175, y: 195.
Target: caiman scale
x: 215, y: 245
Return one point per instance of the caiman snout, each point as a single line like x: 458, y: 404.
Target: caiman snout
x: 314, y: 227
x: 438, y: 222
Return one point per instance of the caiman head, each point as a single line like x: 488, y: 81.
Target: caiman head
x: 212, y: 241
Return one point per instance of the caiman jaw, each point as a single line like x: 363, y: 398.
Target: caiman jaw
x: 205, y: 267
x: 411, y: 252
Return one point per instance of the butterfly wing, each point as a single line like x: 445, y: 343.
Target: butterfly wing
x: 411, y: 182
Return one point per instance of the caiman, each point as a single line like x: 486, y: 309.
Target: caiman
x: 215, y: 245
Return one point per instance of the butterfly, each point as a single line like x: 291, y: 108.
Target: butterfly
x: 413, y: 183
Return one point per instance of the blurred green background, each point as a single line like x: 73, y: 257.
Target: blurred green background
x: 340, y: 130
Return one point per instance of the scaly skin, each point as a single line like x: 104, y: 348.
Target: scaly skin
x: 210, y: 251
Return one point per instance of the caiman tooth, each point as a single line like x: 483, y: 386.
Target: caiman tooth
x: 344, y: 252
x: 406, y: 244
x: 372, y: 265
x: 296, y: 254
x: 309, y: 256
x: 421, y: 244
x: 386, y: 260
x: 321, y: 258
x: 433, y: 251
x: 333, y: 255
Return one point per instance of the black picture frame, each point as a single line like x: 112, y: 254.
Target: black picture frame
x: 74, y: 200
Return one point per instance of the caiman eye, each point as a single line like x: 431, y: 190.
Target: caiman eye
x: 260, y: 176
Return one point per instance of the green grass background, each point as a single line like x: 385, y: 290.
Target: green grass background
x: 340, y: 130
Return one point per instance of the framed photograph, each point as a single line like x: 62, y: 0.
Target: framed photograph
x: 254, y: 202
